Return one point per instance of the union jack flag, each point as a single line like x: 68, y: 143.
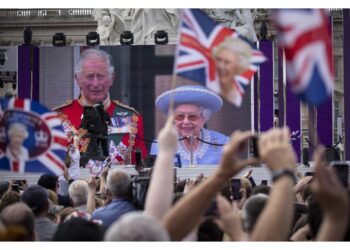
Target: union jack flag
x: 199, y: 35
x: 306, y: 38
x: 44, y: 144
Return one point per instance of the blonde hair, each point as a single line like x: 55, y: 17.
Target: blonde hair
x: 241, y: 48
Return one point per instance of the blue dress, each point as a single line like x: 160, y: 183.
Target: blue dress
x: 205, y: 154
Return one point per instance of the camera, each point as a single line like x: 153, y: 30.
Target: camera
x: 139, y: 185
x: 140, y: 182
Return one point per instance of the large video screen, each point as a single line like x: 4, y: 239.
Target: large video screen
x: 142, y: 73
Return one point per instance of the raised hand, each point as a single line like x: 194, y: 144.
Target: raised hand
x: 275, y: 149
x: 231, y: 164
x: 167, y: 137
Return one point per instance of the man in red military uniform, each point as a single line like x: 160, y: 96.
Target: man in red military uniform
x: 94, y: 75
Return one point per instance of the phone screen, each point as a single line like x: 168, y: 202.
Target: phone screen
x: 236, y: 187
x: 342, y: 170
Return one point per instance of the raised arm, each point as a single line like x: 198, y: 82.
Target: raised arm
x: 333, y: 199
x: 276, y: 219
x: 186, y: 213
x: 160, y: 192
x: 91, y: 204
x: 230, y: 220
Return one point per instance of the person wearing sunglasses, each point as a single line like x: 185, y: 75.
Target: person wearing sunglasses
x: 193, y: 107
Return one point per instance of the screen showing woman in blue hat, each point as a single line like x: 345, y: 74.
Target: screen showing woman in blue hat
x: 193, y: 107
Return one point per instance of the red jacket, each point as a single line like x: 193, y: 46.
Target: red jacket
x: 121, y: 116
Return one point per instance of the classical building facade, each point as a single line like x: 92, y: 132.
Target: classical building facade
x: 76, y: 23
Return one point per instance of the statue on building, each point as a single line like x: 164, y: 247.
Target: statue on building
x: 246, y: 28
x: 146, y: 22
x: 239, y: 19
x: 110, y: 24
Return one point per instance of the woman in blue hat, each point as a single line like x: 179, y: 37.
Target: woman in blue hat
x: 193, y: 107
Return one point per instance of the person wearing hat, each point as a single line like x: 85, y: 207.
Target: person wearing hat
x: 193, y: 107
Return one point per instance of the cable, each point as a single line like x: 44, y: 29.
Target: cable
x: 332, y: 147
x: 210, y: 143
x: 155, y: 141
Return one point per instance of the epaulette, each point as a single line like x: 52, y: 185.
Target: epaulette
x: 65, y: 104
x: 125, y: 106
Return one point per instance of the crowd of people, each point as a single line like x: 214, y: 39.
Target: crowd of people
x: 67, y: 208
x: 304, y: 208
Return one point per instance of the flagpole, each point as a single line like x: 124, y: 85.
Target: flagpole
x: 172, y: 95
x: 173, y: 78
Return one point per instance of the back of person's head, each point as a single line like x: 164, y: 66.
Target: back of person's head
x: 252, y: 209
x: 261, y: 189
x: 9, y: 198
x: 14, y: 233
x: 20, y: 215
x: 78, y: 192
x: 209, y: 231
x: 78, y: 229
x: 48, y: 181
x: 136, y: 226
x: 36, y: 197
x: 4, y: 187
x: 119, y: 183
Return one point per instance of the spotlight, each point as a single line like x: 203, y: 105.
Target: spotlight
x: 1, y: 84
x: 126, y: 38
x: 14, y: 86
x: 59, y: 39
x: 161, y: 37
x: 92, y: 39
x: 27, y: 35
